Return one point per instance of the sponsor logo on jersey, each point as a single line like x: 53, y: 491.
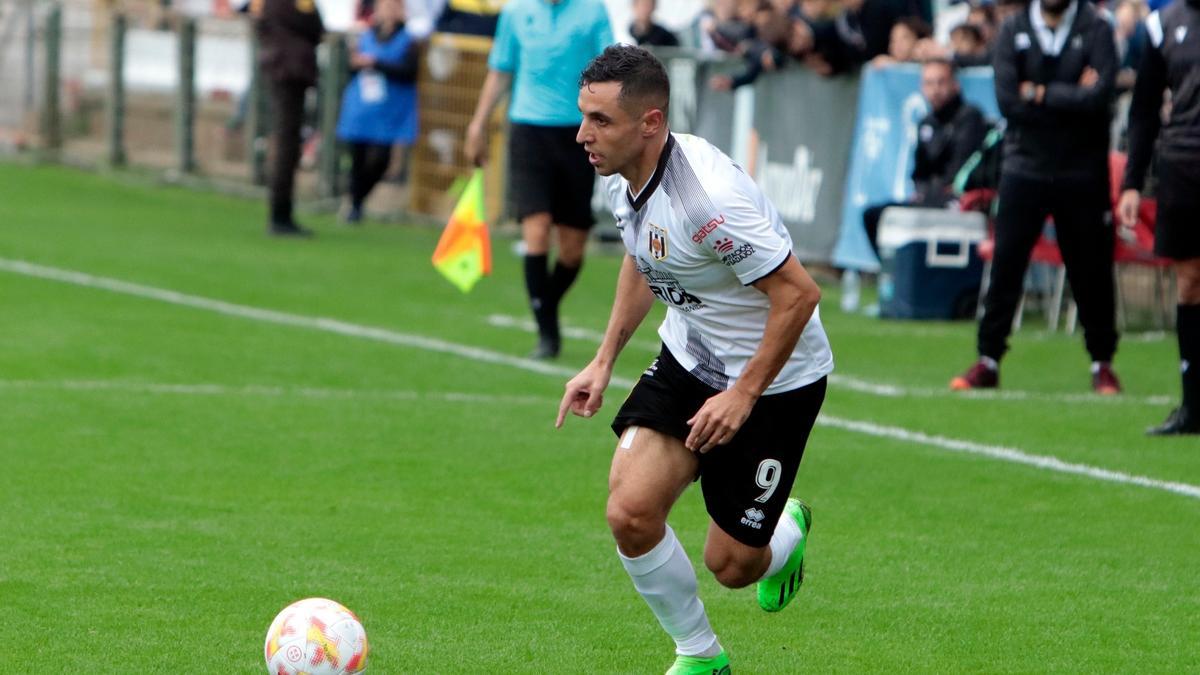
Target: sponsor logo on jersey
x: 723, y: 245
x: 753, y: 518
x: 667, y: 288
x: 708, y: 228
x: 658, y: 241
x: 744, y: 251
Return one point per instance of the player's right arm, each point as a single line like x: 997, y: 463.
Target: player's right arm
x: 585, y: 392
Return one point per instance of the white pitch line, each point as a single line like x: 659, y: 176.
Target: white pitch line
x: 865, y: 386
x: 285, y: 318
x: 1002, y: 453
x: 896, y: 391
x: 269, y: 391
x: 484, y: 355
x: 573, y: 332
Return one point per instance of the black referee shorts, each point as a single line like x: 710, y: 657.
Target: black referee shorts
x: 746, y: 483
x: 549, y: 172
x: 1177, y: 232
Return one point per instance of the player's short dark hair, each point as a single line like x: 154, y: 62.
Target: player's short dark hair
x: 642, y: 76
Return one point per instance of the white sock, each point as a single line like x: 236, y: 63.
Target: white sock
x: 786, y: 538
x: 991, y: 363
x: 667, y: 581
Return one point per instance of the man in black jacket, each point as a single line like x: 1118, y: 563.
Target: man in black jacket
x: 288, y: 33
x: 1055, y: 69
x: 946, y: 138
x: 1172, y: 61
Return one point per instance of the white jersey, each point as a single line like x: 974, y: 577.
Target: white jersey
x: 702, y: 232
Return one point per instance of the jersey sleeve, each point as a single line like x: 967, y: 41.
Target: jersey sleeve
x: 745, y: 239
x: 505, y: 50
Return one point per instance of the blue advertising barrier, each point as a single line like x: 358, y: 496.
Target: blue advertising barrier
x: 890, y: 107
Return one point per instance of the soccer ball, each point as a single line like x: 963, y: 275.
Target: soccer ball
x: 316, y: 637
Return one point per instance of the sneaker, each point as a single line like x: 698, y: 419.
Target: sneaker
x: 1181, y: 421
x: 777, y: 590
x: 288, y: 230
x: 1105, y: 382
x: 352, y: 215
x: 547, y: 349
x: 979, y: 376
x: 697, y: 665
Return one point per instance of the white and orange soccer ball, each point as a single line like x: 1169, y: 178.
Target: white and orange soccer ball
x: 316, y: 637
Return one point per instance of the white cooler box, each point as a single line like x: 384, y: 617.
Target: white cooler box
x: 930, y: 265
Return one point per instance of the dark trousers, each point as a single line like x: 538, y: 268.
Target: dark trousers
x: 368, y: 164
x: 287, y: 107
x: 1083, y: 224
x: 871, y: 217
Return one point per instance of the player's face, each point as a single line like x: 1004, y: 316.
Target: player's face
x: 611, y: 136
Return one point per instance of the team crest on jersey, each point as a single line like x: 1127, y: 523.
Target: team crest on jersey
x: 658, y: 241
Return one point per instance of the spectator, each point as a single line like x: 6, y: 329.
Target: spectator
x: 288, y: 32
x: 645, y: 31
x: 982, y: 15
x: 1055, y: 66
x: 946, y: 137
x: 1172, y: 61
x: 470, y: 17
x: 902, y: 45
x: 968, y: 47
x: 765, y: 52
x: 1131, y: 41
x: 539, y: 51
x: 379, y: 107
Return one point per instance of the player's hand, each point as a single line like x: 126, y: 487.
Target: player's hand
x: 1089, y: 78
x: 475, y: 147
x: 584, y: 393
x: 719, y: 419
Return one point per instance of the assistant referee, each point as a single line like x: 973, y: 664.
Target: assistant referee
x: 541, y: 46
x: 1172, y: 62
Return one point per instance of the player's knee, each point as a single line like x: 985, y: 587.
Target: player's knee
x: 636, y: 529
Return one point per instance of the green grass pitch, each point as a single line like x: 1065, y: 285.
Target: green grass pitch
x: 172, y: 476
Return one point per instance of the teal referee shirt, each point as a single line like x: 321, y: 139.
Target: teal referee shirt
x: 545, y: 46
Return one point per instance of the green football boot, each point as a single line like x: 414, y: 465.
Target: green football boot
x: 776, y: 591
x: 695, y: 665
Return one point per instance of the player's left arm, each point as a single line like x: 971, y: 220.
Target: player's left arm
x: 793, y: 296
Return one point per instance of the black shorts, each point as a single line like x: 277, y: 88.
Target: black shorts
x: 746, y: 482
x: 1177, y: 232
x: 550, y: 173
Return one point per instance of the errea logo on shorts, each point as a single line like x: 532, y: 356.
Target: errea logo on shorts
x: 753, y: 518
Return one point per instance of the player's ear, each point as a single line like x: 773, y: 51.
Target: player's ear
x: 652, y: 120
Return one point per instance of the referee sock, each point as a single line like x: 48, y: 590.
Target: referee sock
x: 667, y: 581
x: 561, y: 279
x: 537, y: 283
x: 1187, y: 329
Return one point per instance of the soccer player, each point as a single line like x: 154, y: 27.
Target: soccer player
x: 735, y: 391
x: 1172, y: 61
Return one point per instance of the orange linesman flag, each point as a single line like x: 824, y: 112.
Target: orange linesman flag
x: 464, y: 253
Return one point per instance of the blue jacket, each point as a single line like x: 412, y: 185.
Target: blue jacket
x: 380, y: 103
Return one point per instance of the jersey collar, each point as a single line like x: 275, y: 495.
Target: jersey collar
x: 638, y: 202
